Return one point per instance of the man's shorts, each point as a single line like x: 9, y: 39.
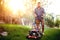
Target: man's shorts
x: 39, y: 18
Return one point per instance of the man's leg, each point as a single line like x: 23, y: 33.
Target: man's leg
x: 42, y: 23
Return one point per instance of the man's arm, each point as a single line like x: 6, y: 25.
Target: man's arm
x: 35, y: 13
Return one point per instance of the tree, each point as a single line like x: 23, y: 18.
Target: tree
x: 49, y: 20
x: 57, y: 23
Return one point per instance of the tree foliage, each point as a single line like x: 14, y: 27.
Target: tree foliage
x: 49, y: 20
x: 57, y: 23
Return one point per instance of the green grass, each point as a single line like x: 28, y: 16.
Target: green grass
x: 18, y: 32
x: 51, y: 34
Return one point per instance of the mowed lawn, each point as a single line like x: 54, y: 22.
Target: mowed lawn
x: 18, y: 32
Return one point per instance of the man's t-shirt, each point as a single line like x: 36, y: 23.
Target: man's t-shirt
x: 39, y: 12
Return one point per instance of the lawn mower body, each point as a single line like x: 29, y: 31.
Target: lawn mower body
x: 35, y: 35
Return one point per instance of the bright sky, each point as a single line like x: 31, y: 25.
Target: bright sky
x: 53, y: 7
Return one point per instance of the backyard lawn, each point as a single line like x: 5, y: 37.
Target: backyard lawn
x: 19, y: 32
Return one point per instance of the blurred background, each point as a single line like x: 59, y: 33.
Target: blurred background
x: 21, y: 12
x: 16, y: 18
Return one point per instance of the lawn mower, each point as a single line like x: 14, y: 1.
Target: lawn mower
x: 34, y: 35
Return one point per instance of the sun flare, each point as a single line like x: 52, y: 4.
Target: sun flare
x: 16, y: 5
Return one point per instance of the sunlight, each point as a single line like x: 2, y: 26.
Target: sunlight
x: 50, y: 6
x: 16, y: 5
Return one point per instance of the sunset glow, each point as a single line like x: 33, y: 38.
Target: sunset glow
x: 15, y: 5
x: 50, y: 6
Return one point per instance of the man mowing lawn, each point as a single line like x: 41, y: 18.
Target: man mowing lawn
x: 39, y: 14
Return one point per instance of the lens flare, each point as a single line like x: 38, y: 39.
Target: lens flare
x: 15, y: 5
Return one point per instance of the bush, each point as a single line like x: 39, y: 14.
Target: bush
x: 49, y: 22
x: 57, y: 23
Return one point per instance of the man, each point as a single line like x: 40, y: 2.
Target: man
x: 39, y: 14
